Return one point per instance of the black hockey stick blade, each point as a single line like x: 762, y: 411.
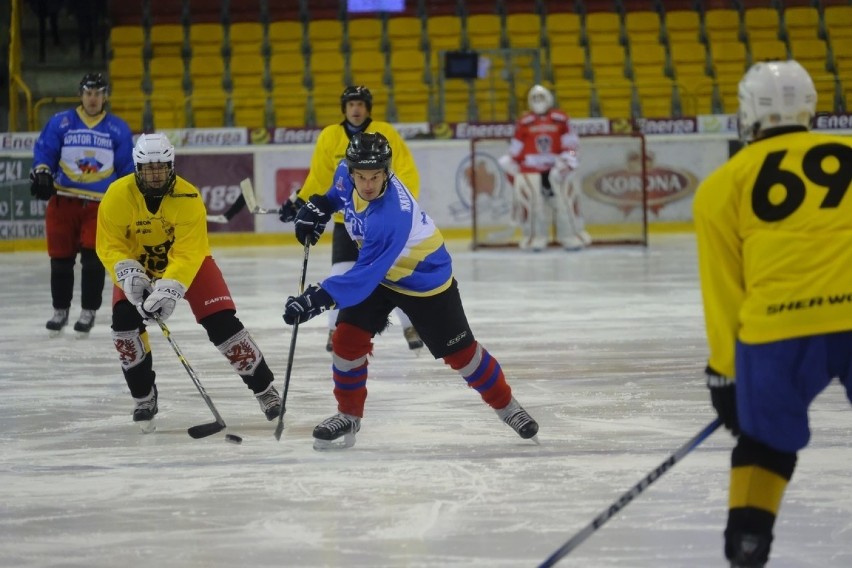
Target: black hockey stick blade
x: 204, y: 430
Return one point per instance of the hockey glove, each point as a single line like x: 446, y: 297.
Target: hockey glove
x: 290, y: 208
x: 163, y: 299
x: 42, y: 184
x: 312, y: 218
x: 133, y: 279
x: 723, y: 395
x: 312, y: 303
x: 546, y: 187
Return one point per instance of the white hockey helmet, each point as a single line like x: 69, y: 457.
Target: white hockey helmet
x: 775, y: 94
x: 154, y: 149
x: 539, y: 99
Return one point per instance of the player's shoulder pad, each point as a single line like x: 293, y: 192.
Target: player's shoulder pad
x: 558, y: 115
x: 527, y: 118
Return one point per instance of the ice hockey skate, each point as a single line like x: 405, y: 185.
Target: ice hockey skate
x: 270, y: 402
x: 521, y: 422
x: 572, y: 243
x: 57, y: 322
x: 85, y: 323
x: 750, y: 550
x: 145, y: 410
x: 415, y: 343
x: 336, y: 432
x: 585, y: 238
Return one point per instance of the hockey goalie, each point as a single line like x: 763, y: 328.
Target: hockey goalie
x: 542, y: 161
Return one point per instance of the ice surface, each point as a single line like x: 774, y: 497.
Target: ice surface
x: 605, y: 348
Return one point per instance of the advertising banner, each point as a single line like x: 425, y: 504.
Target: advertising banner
x: 278, y: 174
x: 21, y: 215
x: 218, y: 178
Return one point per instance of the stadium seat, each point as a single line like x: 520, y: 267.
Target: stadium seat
x: 838, y: 22
x: 247, y: 73
x: 126, y: 42
x: 327, y: 70
x: 444, y: 33
x: 647, y: 60
x: 524, y: 30
x: 206, y: 72
x: 367, y: 68
x: 167, y: 40
x: 803, y: 22
x: 842, y: 49
x: 642, y: 27
x: 249, y: 109
x: 405, y: 32
x: 682, y: 26
x: 728, y: 58
x: 285, y: 37
x: 125, y: 75
x: 574, y: 97
x: 289, y: 108
x: 167, y: 74
x: 813, y: 54
x: 656, y: 97
x: 208, y: 107
x: 412, y: 105
x: 762, y: 24
x: 569, y: 62
x: 604, y: 28
x: 722, y: 25
x: 564, y: 28
x: 325, y: 35
x: 688, y: 60
x: 364, y: 34
x: 245, y: 38
x: 483, y: 31
x: 407, y: 68
x: 615, y: 97
x: 768, y: 50
x: 607, y: 59
x: 206, y: 39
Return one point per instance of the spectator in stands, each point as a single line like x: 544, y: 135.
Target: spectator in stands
x: 541, y: 160
x: 356, y: 104
x: 774, y: 250
x: 77, y: 155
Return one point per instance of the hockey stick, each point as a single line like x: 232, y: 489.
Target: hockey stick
x: 237, y: 206
x: 279, y: 428
x: 627, y: 497
x: 251, y: 199
x: 202, y: 430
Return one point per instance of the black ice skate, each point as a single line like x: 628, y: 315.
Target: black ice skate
x: 145, y: 410
x: 748, y: 550
x: 85, y: 323
x: 270, y: 402
x: 515, y: 416
x: 336, y: 432
x: 57, y: 322
x: 413, y: 338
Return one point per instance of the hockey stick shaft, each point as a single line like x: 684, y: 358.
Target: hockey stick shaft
x: 279, y: 428
x: 201, y: 430
x: 632, y: 493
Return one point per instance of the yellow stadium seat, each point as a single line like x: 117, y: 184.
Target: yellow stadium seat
x: 129, y: 107
x: 247, y: 73
x: 603, y: 28
x: 167, y: 73
x: 728, y: 58
x: 802, y: 22
x: 404, y: 32
x: 655, y: 97
x: 483, y: 31
x: 647, y: 60
x: 642, y: 27
x: 327, y: 70
x: 166, y: 40
x: 412, y: 105
x: 768, y: 50
x: 125, y: 75
x: 285, y: 37
x: 838, y: 22
x: 812, y: 54
x: 325, y: 35
x: 365, y: 34
x: 206, y: 72
x: 249, y: 109
x: 290, y: 110
x: 564, y: 28
x: 245, y: 38
x: 206, y: 39
x: 524, y: 30
x: 287, y: 72
x: 696, y: 96
x: 689, y: 59
x: 444, y: 32
x: 126, y: 41
x: 574, y: 97
x: 407, y: 67
x: 455, y: 111
x: 682, y: 26
x: 842, y: 49
x: 762, y: 24
x: 569, y: 62
x: 208, y: 107
x: 167, y: 109
x: 607, y: 60
x: 722, y: 25
x: 367, y: 68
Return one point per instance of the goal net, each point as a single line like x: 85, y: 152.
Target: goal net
x: 610, y: 185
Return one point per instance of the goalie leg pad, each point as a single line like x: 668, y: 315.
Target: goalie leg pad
x: 352, y: 345
x: 483, y: 373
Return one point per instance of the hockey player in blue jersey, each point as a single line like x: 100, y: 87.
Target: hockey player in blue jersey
x: 402, y: 263
x: 77, y: 156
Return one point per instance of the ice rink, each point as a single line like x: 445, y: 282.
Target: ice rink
x: 605, y: 348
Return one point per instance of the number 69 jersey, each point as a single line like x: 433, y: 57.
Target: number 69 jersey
x: 774, y: 232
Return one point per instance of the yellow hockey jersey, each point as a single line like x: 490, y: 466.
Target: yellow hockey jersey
x: 171, y: 243
x: 331, y: 148
x: 774, y: 233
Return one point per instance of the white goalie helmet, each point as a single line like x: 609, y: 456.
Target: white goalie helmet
x: 775, y: 94
x: 154, y: 149
x: 539, y: 99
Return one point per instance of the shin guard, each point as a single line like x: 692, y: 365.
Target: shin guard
x: 247, y: 360
x: 352, y: 345
x: 482, y: 372
x: 134, y: 354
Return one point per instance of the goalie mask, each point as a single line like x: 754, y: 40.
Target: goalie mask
x: 775, y: 94
x: 539, y: 100
x: 154, y: 159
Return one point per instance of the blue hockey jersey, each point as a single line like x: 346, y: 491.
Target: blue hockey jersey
x: 400, y: 246
x: 85, y: 154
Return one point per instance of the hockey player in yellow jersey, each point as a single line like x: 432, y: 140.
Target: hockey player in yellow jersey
x: 356, y: 104
x: 774, y: 232
x: 152, y: 239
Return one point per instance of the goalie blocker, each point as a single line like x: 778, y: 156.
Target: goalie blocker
x: 610, y: 188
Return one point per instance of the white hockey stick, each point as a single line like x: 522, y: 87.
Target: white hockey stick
x: 251, y: 199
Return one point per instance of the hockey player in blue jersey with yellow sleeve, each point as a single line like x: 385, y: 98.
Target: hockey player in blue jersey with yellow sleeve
x: 402, y: 263
x: 77, y: 156
x: 774, y: 253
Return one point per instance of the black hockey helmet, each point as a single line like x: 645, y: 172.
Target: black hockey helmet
x: 356, y: 93
x: 93, y: 82
x: 368, y: 151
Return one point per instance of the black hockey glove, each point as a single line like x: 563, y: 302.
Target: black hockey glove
x: 290, y: 208
x: 546, y: 186
x: 42, y: 184
x: 312, y: 303
x: 311, y: 219
x: 723, y: 395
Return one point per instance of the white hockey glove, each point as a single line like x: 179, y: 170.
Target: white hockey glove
x: 566, y: 162
x: 509, y: 165
x: 163, y: 299
x: 133, y: 279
